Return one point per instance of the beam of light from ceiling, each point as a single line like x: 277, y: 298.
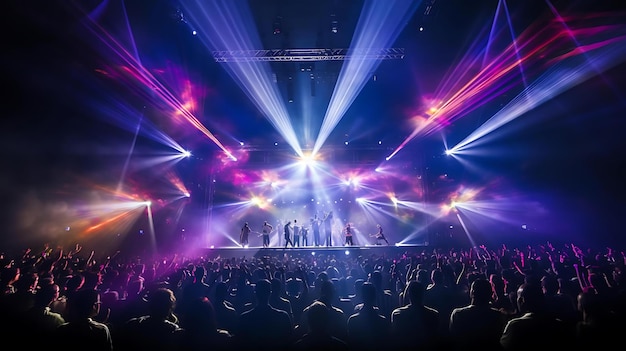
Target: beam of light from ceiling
x: 491, y: 34
x: 147, y: 84
x: 541, y: 46
x: 467, y: 233
x: 514, y: 43
x: 379, y: 25
x: 560, y: 78
x: 509, y: 210
x: 112, y: 216
x: 120, y: 183
x: 229, y: 26
x: 153, y: 243
x: 573, y: 33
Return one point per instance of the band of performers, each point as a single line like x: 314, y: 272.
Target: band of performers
x: 316, y: 232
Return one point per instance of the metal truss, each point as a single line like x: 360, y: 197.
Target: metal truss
x: 308, y: 55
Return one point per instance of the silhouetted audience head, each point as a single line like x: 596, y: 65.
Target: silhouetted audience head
x: 369, y: 294
x: 318, y: 317
x: 481, y: 292
x: 201, y: 316
x: 161, y: 303
x: 415, y: 291
x: 83, y: 304
x: 530, y: 298
x: 262, y: 290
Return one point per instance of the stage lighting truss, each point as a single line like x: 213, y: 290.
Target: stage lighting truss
x: 308, y: 54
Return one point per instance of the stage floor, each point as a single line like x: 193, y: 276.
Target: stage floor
x: 258, y: 251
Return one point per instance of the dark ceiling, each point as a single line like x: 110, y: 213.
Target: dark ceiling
x: 56, y: 95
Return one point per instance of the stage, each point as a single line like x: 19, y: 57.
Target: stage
x: 258, y: 251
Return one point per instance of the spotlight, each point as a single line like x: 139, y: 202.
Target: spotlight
x: 334, y: 24
x: 277, y: 26
x: 186, y: 153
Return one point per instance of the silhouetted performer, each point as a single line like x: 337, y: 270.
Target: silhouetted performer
x: 296, y: 233
x: 304, y: 233
x: 380, y: 235
x: 245, y: 233
x: 265, y: 233
x: 348, y: 232
x: 328, y: 222
x: 288, y: 234
x: 315, y: 226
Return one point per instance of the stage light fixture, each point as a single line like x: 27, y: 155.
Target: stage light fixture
x: 334, y: 24
x: 277, y: 25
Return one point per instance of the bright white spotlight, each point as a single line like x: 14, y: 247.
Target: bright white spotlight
x: 360, y: 200
x: 347, y: 252
x: 241, y: 143
x: 312, y: 253
x: 187, y: 194
x: 307, y: 160
x: 449, y: 152
x: 186, y: 153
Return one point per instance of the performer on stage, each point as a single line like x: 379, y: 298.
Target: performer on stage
x: 296, y: 233
x: 288, y: 234
x: 348, y: 231
x: 245, y: 233
x: 328, y: 223
x: 315, y: 226
x: 267, y: 229
x: 304, y: 233
x: 379, y: 235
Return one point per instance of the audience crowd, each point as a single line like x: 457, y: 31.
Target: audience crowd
x: 541, y: 296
